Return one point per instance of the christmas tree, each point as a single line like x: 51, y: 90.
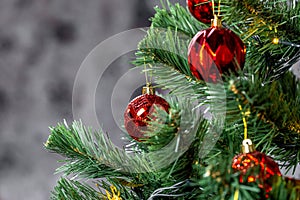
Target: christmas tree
x: 230, y: 119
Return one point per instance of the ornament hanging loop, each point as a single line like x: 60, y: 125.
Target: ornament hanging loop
x: 247, y: 146
x: 216, y: 21
x: 148, y: 89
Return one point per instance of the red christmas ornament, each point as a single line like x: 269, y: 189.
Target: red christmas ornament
x: 139, y: 111
x: 215, y: 51
x: 246, y: 161
x: 201, y: 10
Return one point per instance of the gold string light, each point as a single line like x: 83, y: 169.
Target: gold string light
x: 276, y: 41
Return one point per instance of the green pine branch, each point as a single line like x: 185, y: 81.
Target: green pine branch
x: 175, y: 140
x: 69, y: 189
x: 274, y: 122
x: 90, y: 155
x: 176, y: 17
x: 169, y: 66
x: 270, y: 132
x: 164, y: 46
x: 258, y: 23
x: 219, y: 181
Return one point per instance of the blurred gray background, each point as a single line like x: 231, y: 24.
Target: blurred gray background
x: 42, y: 44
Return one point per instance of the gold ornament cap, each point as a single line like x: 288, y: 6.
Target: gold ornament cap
x: 148, y: 89
x: 248, y: 146
x: 216, y: 22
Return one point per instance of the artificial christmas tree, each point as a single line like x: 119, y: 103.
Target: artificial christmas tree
x: 190, y: 157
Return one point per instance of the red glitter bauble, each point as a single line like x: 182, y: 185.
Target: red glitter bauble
x: 201, y: 10
x: 138, y: 113
x: 268, y: 168
x: 215, y: 51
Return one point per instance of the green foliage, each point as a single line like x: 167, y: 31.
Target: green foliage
x: 90, y: 155
x: 258, y: 23
x: 176, y: 17
x: 187, y: 155
x: 162, y: 127
x: 164, y: 46
x: 68, y: 189
x: 275, y: 116
x: 219, y: 182
x: 181, y: 147
x: 284, y: 188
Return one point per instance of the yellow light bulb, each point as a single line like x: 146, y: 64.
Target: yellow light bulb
x: 275, y: 40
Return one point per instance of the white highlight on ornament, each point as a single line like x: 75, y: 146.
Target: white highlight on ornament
x: 141, y: 111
